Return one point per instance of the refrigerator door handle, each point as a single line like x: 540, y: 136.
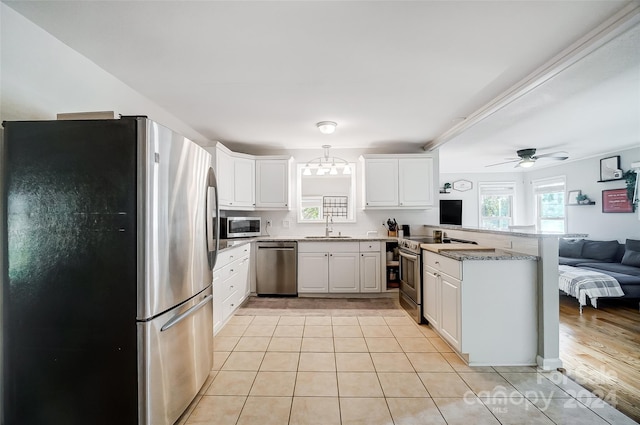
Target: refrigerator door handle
x: 212, y: 219
x: 179, y: 318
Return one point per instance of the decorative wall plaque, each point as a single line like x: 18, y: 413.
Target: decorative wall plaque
x: 462, y: 185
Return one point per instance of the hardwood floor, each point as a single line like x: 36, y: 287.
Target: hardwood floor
x: 601, y: 350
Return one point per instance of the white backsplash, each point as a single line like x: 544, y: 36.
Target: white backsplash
x: 365, y: 221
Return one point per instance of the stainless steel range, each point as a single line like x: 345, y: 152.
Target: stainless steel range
x: 411, y: 274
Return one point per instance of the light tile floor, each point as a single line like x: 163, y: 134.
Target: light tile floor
x: 381, y: 368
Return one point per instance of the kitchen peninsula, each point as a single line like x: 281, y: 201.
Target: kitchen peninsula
x: 482, y: 301
x: 544, y: 246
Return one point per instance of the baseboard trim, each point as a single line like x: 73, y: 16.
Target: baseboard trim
x: 548, y: 364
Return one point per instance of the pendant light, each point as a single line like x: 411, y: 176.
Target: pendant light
x: 326, y: 164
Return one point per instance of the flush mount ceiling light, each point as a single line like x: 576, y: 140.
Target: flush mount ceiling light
x: 326, y: 127
x: 326, y: 164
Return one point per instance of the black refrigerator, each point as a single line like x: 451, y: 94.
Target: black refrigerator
x: 110, y: 235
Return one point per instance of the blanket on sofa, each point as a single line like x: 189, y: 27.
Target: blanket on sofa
x: 581, y: 283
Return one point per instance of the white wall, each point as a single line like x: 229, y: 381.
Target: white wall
x: 41, y: 76
x: 470, y: 198
x: 584, y: 175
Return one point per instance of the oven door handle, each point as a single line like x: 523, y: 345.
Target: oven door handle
x: 412, y: 257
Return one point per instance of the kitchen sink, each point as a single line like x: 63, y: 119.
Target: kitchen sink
x: 328, y: 237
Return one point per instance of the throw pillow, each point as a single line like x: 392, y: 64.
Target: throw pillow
x: 571, y: 248
x: 631, y: 258
x: 600, y: 250
x: 633, y: 245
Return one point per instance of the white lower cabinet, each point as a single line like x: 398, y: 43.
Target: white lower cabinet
x: 230, y: 283
x: 338, y: 267
x: 370, y: 267
x: 450, y: 317
x: 485, y: 309
x: 313, y: 271
x: 370, y: 272
x: 441, y: 296
x: 431, y: 286
x: 344, y: 272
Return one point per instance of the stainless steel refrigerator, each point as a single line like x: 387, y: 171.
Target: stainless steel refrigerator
x: 110, y: 235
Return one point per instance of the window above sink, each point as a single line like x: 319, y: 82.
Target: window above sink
x: 328, y: 194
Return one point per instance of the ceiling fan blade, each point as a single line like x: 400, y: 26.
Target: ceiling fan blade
x: 506, y: 162
x: 560, y: 155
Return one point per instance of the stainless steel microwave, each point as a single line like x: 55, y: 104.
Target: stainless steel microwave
x: 239, y: 227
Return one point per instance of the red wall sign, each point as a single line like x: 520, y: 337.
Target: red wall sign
x: 616, y: 201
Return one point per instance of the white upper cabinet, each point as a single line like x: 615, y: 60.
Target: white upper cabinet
x: 272, y: 184
x: 381, y: 182
x: 415, y: 182
x: 248, y: 182
x: 244, y: 178
x: 398, y: 181
x: 224, y: 177
x: 235, y: 176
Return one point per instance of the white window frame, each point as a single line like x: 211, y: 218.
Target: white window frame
x: 496, y: 188
x: 557, y: 184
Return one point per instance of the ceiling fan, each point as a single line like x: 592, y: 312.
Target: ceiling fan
x: 528, y: 157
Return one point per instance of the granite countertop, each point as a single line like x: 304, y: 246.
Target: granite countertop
x: 319, y: 238
x: 498, y: 254
x: 521, y: 233
x: 229, y: 243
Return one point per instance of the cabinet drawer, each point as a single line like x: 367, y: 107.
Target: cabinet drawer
x: 229, y: 305
x: 370, y: 246
x: 230, y: 255
x: 223, y: 259
x: 443, y: 264
x: 228, y: 289
x: 227, y: 271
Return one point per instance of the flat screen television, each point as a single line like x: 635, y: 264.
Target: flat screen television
x: 451, y: 211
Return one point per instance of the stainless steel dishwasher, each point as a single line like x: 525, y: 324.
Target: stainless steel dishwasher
x: 277, y: 268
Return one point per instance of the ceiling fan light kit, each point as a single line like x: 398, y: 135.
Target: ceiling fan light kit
x: 526, y: 163
x: 527, y: 158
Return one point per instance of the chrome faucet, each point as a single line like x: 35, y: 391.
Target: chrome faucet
x: 326, y: 227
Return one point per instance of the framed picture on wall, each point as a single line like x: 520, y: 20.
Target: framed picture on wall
x: 616, y: 201
x: 610, y: 168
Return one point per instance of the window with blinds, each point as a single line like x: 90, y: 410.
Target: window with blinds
x: 549, y: 200
x: 496, y: 204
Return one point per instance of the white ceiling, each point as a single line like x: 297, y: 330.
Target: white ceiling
x: 394, y: 75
